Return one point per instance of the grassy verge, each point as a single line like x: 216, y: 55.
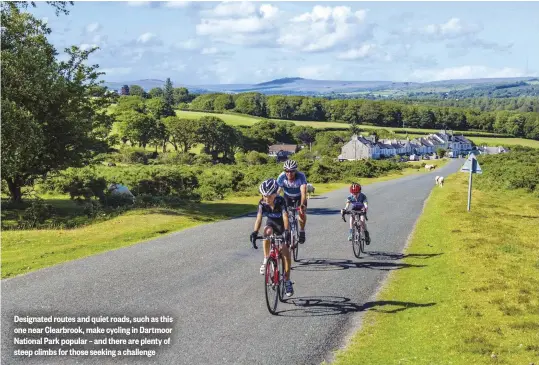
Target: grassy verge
x: 24, y: 251
x: 475, y: 302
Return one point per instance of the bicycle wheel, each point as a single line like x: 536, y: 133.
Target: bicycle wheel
x: 355, y: 242
x: 271, y: 285
x: 295, y: 242
x: 282, y: 289
x: 362, y: 240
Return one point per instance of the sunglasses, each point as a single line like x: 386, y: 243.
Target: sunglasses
x: 289, y: 171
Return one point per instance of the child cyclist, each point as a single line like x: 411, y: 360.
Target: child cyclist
x: 273, y: 206
x: 358, y: 201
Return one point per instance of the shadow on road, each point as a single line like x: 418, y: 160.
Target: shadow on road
x: 322, y: 211
x: 389, y: 256
x: 318, y: 197
x: 339, y: 264
x: 332, y: 305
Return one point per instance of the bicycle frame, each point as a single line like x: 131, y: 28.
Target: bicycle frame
x: 274, y: 280
x: 358, y: 238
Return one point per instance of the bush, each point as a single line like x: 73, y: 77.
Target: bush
x: 518, y: 169
x: 182, y: 158
x: 35, y: 214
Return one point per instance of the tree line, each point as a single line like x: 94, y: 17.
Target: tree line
x: 378, y: 113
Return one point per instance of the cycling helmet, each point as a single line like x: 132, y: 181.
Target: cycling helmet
x: 269, y: 187
x: 290, y: 165
x: 355, y: 188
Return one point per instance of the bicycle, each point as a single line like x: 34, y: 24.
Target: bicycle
x: 294, y: 231
x: 358, y: 234
x: 274, y: 276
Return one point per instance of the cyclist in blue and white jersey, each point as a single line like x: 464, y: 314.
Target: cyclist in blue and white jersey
x: 294, y: 185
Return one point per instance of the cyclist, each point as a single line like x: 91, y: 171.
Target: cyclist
x: 294, y: 185
x: 358, y: 200
x: 273, y: 206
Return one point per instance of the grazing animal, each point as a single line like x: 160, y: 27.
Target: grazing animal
x: 440, y: 181
x: 430, y: 167
x: 310, y: 191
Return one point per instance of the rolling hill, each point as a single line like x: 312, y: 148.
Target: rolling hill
x: 301, y: 86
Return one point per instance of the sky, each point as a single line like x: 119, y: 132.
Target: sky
x: 197, y: 43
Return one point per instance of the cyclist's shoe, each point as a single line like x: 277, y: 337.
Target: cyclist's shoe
x: 289, y: 289
x: 367, y: 238
x: 262, y: 269
x: 350, y: 237
x: 302, y: 237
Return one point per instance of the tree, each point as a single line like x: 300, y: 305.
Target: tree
x: 137, y: 91
x: 124, y: 90
x: 168, y: 97
x: 218, y: 137
x: 46, y: 101
x: 223, y: 102
x: 181, y: 95
x: 156, y: 92
x: 183, y: 132
x: 306, y: 135
x: 251, y: 103
x: 137, y: 127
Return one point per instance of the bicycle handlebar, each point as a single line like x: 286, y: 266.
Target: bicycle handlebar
x: 354, y: 212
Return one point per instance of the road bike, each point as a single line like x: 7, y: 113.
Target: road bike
x: 274, y: 276
x: 358, y: 234
x: 294, y: 231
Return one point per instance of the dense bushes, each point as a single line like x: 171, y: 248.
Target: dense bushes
x: 518, y: 169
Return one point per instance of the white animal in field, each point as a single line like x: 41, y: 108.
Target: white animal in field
x: 430, y: 167
x: 440, y: 181
x: 310, y: 190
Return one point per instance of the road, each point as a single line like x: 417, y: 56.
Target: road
x: 207, y: 278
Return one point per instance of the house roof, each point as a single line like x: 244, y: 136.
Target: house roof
x: 283, y: 147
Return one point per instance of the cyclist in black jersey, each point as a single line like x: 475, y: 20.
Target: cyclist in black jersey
x: 273, y: 207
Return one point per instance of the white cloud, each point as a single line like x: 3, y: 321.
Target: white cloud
x: 172, y: 66
x: 145, y: 38
x: 465, y: 72
x: 93, y: 27
x: 324, y: 29
x: 366, y: 50
x: 177, y: 4
x: 453, y: 28
x: 117, y: 71
x: 86, y: 46
x: 148, y: 39
x: 240, y: 23
x: 211, y: 50
x: 138, y: 3
x: 320, y: 72
x: 189, y: 44
x: 232, y: 9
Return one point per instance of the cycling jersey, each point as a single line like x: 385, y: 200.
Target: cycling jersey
x: 357, y: 204
x: 292, y: 188
x: 277, y: 212
x: 275, y: 215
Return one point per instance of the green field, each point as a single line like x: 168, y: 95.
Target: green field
x: 468, y: 290
x: 239, y: 119
x: 504, y: 141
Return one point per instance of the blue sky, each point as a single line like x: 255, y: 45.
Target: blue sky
x: 196, y: 43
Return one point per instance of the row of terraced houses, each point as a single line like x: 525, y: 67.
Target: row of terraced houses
x: 370, y: 148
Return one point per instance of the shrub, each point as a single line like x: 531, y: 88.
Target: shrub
x: 37, y: 213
